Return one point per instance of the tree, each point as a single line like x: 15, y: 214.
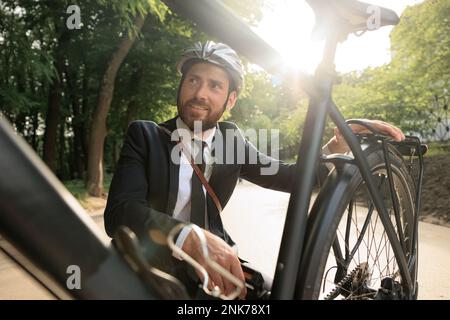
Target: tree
x: 401, y: 91
x: 98, y: 126
x: 59, y: 85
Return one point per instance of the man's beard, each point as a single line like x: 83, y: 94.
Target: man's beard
x: 206, y: 123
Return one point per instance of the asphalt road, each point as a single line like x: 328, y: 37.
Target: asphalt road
x: 254, y: 218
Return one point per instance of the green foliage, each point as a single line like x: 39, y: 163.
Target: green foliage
x: 420, y: 69
x: 421, y: 45
x: 250, y: 10
x: 263, y: 105
x: 397, y: 93
x: 34, y: 38
x: 37, y: 49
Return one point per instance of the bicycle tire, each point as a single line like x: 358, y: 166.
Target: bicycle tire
x: 362, y: 277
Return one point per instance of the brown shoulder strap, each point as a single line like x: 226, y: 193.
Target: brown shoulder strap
x: 198, y: 172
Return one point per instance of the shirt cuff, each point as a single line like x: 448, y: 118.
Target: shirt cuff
x: 182, y: 238
x: 180, y: 241
x: 235, y: 249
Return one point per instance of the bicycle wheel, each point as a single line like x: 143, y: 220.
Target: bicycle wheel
x: 355, y: 260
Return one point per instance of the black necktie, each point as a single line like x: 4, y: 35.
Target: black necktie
x: 198, y: 197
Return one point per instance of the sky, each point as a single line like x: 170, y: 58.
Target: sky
x: 287, y: 25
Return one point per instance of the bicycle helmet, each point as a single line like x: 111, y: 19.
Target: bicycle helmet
x: 216, y: 53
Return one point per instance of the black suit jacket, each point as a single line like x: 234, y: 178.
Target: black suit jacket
x: 144, y: 188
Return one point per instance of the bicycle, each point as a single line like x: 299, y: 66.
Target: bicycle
x: 308, y: 239
x: 316, y: 258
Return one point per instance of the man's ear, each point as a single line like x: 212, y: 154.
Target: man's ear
x: 232, y: 98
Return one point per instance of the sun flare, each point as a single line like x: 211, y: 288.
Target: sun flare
x: 287, y: 26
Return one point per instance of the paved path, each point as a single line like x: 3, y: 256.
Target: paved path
x: 255, y: 217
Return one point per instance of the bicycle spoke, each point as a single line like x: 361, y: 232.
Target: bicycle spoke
x: 373, y: 241
x: 358, y: 234
x: 346, y: 245
x: 364, y: 228
x: 388, y: 263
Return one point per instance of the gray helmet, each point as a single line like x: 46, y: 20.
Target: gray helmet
x: 216, y: 53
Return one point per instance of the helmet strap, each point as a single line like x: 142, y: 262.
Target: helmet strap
x: 226, y: 101
x: 179, y: 87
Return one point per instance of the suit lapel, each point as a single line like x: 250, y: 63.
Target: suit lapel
x: 174, y: 168
x: 218, y: 174
x: 218, y: 168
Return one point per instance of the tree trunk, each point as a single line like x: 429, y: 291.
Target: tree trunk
x: 34, y: 118
x: 132, y: 108
x: 51, y: 123
x: 73, y: 171
x: 98, y: 127
x: 115, y: 150
x: 20, y: 124
x: 78, y: 143
x: 54, y: 101
x: 34, y: 137
x: 86, y: 112
x: 77, y: 158
x: 62, y: 171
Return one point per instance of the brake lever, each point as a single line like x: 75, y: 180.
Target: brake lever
x: 164, y: 284
x: 214, y: 265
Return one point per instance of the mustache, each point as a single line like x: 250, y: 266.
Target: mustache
x: 198, y: 103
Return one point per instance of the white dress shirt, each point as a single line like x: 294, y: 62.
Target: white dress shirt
x: 182, y: 209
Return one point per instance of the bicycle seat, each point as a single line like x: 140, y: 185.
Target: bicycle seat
x: 348, y: 16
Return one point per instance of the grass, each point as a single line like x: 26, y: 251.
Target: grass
x: 78, y: 189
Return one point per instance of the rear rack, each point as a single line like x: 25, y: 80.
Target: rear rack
x: 412, y: 149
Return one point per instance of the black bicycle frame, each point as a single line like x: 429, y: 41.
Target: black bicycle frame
x: 294, y: 233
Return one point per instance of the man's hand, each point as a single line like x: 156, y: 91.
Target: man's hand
x: 220, y: 252
x: 337, y: 144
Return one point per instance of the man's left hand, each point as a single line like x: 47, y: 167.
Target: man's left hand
x: 337, y: 144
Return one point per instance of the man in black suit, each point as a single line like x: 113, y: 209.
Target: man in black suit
x: 155, y: 187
